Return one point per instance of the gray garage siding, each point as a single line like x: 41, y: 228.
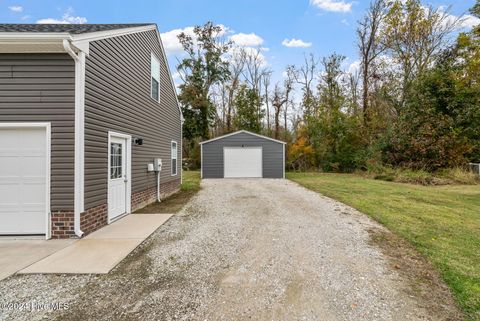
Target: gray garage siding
x: 117, y: 98
x: 41, y: 88
x: 212, y: 154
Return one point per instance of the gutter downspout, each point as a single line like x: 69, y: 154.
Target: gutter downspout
x: 79, y: 134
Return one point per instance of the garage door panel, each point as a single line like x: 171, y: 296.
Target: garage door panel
x: 30, y: 223
x: 243, y: 162
x: 10, y: 193
x: 23, y: 187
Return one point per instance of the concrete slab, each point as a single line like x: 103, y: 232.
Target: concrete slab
x: 101, y: 251
x: 134, y: 226
x: 85, y: 256
x: 17, y: 254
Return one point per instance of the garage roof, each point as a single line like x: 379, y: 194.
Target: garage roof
x: 242, y: 131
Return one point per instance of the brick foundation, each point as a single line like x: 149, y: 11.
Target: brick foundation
x: 145, y: 197
x: 93, y: 219
x: 62, y: 225
x: 96, y: 217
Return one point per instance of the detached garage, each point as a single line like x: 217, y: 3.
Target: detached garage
x: 243, y: 155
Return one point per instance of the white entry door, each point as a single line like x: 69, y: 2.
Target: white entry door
x: 117, y: 180
x: 23, y: 180
x: 243, y: 162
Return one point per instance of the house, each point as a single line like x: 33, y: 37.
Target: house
x: 243, y: 154
x: 85, y: 111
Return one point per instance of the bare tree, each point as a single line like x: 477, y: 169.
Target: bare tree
x: 279, y: 99
x: 237, y: 66
x: 266, y: 84
x: 305, y: 76
x: 370, y: 46
x: 288, y: 84
x: 253, y: 72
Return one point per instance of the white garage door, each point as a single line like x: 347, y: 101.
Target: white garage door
x: 242, y: 162
x: 23, y: 187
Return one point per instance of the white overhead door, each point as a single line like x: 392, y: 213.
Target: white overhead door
x: 242, y: 162
x: 23, y: 183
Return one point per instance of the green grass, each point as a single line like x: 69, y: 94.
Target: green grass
x: 442, y: 222
x: 190, y: 186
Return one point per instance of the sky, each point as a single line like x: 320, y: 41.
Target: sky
x: 284, y: 29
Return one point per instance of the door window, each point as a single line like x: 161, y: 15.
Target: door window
x: 115, y: 160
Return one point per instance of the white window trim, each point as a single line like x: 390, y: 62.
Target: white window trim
x: 176, y: 157
x: 48, y: 140
x: 153, y: 56
x: 128, y: 152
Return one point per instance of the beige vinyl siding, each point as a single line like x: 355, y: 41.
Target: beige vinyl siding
x: 41, y: 88
x: 118, y: 99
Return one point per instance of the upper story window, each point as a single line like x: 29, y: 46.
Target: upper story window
x: 174, y: 158
x: 155, y: 78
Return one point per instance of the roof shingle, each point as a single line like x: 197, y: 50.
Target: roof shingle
x: 74, y: 29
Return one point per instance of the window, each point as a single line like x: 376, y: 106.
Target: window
x: 174, y: 158
x: 115, y: 160
x: 155, y: 78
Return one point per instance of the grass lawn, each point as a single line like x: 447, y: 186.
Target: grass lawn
x: 174, y: 203
x: 442, y: 222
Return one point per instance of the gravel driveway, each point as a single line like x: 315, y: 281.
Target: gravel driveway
x: 240, y: 250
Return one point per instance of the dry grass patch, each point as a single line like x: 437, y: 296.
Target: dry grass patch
x: 174, y: 203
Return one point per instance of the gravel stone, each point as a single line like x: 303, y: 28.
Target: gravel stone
x: 240, y: 250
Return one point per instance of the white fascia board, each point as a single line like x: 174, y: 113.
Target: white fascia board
x: 34, y: 36
x: 242, y: 131
x: 82, y: 41
x: 98, y: 35
x: 30, y: 42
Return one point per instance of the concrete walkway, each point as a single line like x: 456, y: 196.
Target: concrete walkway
x: 17, y: 254
x: 102, y: 250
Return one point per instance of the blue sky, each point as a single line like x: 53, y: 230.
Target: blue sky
x: 318, y: 26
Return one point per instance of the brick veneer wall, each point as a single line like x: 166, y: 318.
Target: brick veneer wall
x: 62, y: 225
x: 96, y: 217
x: 145, y: 197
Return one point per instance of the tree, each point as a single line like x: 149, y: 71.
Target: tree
x: 237, y: 66
x: 203, y: 67
x: 280, y: 99
x: 415, y: 35
x: 370, y: 47
x: 266, y: 85
x: 333, y: 132
x: 246, y: 104
x: 305, y: 77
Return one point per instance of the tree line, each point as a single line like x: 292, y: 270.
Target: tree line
x: 413, y: 101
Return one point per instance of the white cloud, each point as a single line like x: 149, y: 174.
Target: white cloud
x: 462, y: 22
x: 469, y: 21
x: 345, y: 22
x: 25, y: 17
x: 354, y: 67
x: 333, y: 5
x: 67, y: 18
x: 252, y: 52
x: 170, y: 38
x: 250, y: 39
x: 16, y: 8
x: 296, y: 43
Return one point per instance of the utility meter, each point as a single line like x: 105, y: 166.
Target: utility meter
x: 157, y: 164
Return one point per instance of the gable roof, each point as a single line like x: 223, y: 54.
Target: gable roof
x: 74, y: 29
x: 52, y: 38
x: 245, y: 132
